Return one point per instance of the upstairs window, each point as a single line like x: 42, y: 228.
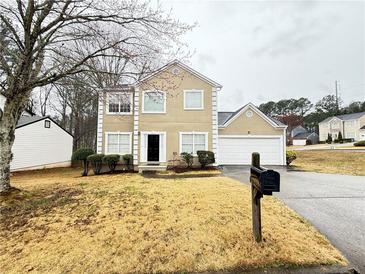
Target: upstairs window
x: 193, y: 99
x: 120, y: 103
x: 154, y: 102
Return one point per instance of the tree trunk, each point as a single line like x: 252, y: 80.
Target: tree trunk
x: 7, y: 135
x: 6, y: 142
x: 13, y: 109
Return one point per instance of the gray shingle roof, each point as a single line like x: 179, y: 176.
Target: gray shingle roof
x: 303, y: 135
x: 25, y: 120
x: 345, y: 117
x: 351, y: 116
x: 225, y: 116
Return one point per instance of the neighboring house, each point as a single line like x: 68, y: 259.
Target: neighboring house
x: 175, y: 110
x: 350, y: 125
x: 301, y: 137
x: 2, y: 102
x: 40, y: 143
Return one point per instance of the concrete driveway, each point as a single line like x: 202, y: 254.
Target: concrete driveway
x: 333, y: 203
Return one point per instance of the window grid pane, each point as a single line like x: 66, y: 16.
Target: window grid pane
x: 113, y: 103
x: 118, y: 143
x: 193, y: 99
x: 120, y: 103
x: 192, y: 143
x: 154, y: 101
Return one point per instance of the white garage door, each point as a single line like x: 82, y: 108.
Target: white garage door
x: 238, y: 150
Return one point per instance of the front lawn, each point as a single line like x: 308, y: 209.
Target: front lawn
x: 331, y: 161
x: 126, y: 223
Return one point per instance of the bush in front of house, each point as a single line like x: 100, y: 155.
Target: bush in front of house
x: 187, y: 158
x: 205, y: 157
x: 339, y: 138
x: 360, y: 144
x: 111, y: 160
x: 290, y: 157
x: 308, y: 142
x: 329, y: 139
x: 81, y: 155
x: 96, y: 161
x: 128, y: 159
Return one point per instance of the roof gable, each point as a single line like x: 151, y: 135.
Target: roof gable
x: 28, y: 120
x: 239, y: 112
x: 185, y: 67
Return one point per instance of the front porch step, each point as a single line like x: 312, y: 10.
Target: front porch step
x: 142, y: 168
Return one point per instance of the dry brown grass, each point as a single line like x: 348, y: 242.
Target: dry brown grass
x: 331, y: 161
x: 126, y: 223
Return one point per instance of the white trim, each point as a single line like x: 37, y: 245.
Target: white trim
x: 119, y: 133
x: 215, y: 124
x: 154, y: 91
x: 185, y: 67
x: 201, y: 91
x: 193, y: 132
x: 119, y: 113
x: 135, y: 127
x: 162, y: 147
x: 99, y: 133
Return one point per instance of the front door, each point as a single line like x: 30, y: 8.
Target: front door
x: 153, y: 148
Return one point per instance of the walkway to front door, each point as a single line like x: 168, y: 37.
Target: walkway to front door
x: 153, y: 148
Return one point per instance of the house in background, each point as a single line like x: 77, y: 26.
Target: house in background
x: 301, y: 137
x: 175, y: 110
x: 39, y: 143
x: 351, y: 126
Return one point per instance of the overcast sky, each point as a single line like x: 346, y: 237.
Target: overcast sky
x: 262, y: 51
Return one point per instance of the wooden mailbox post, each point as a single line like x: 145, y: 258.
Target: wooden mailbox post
x: 263, y: 182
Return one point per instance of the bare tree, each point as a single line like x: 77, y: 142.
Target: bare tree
x: 37, y: 36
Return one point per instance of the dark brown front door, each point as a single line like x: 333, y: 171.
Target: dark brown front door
x: 153, y: 148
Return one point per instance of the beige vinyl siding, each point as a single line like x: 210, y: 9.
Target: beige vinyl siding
x: 115, y: 123
x: 176, y: 119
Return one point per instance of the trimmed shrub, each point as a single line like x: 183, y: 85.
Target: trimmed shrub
x: 111, y: 160
x: 339, y: 137
x: 187, y: 158
x: 360, y: 144
x: 308, y: 142
x: 128, y: 159
x: 96, y: 161
x: 205, y: 157
x: 290, y: 157
x: 329, y: 139
x: 81, y: 155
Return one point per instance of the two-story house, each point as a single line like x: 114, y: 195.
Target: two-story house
x: 351, y: 126
x: 174, y: 110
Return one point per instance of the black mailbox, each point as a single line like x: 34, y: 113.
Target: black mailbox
x: 265, y: 181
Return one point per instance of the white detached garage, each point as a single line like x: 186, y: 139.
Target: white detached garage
x: 249, y: 130
x: 40, y: 143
